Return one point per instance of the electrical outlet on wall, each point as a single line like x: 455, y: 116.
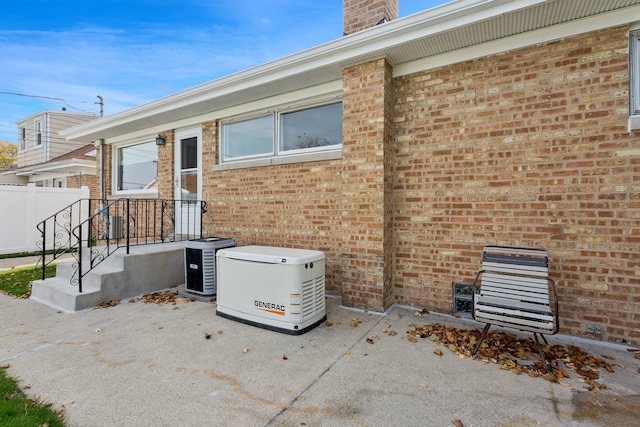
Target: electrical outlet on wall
x: 595, y: 329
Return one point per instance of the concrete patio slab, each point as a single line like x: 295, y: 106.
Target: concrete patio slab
x: 138, y: 364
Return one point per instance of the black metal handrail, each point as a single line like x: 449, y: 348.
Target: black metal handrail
x: 56, y: 231
x: 131, y: 222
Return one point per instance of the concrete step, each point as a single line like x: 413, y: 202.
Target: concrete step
x: 145, y: 269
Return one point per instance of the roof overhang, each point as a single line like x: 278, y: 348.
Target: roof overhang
x: 62, y: 168
x: 447, y: 28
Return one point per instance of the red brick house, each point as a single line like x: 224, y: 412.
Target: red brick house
x: 405, y: 146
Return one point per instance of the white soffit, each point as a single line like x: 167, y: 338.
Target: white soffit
x: 440, y: 31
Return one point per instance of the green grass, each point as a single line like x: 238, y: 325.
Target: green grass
x: 16, y: 410
x: 17, y: 281
x: 39, y: 253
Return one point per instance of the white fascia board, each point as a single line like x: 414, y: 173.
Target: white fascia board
x: 325, y: 91
x: 422, y: 24
x: 64, y: 165
x: 544, y: 35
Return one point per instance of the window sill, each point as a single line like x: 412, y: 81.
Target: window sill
x: 284, y: 160
x: 133, y: 195
x: 634, y: 123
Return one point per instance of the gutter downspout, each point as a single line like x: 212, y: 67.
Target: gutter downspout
x: 102, y: 163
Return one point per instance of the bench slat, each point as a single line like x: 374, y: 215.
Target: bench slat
x: 508, y: 321
x: 503, y: 303
x: 516, y: 312
x: 515, y: 269
x: 515, y: 297
x: 502, y: 282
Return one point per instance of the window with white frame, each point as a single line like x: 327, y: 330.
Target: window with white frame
x: 136, y: 167
x: 282, y: 132
x: 37, y: 133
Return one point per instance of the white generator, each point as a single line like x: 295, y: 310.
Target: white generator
x: 280, y: 289
x: 200, y: 263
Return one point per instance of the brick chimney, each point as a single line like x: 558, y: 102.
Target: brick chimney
x: 359, y: 15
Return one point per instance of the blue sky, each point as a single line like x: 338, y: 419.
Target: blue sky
x: 132, y: 52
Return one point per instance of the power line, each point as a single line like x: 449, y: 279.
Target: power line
x: 43, y: 97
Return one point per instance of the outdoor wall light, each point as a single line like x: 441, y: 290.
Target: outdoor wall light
x: 160, y: 139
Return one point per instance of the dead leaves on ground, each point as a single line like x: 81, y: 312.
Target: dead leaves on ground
x: 159, y: 298
x: 106, y: 304
x: 507, y: 351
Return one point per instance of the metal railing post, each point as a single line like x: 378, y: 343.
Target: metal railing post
x: 128, y: 222
x: 80, y: 259
x: 44, y: 247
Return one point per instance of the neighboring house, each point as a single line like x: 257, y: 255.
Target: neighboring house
x: 401, y: 149
x: 49, y: 160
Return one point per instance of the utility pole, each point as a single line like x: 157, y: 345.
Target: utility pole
x: 101, y: 103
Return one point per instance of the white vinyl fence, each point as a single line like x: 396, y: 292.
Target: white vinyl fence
x: 23, y: 207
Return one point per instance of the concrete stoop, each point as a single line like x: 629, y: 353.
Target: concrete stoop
x: 145, y: 269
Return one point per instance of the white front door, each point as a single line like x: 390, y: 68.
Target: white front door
x: 188, y: 181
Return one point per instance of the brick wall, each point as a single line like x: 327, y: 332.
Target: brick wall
x: 295, y: 205
x: 91, y: 181
x: 526, y: 148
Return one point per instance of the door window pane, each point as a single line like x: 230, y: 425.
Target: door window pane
x: 189, y: 153
x: 189, y: 184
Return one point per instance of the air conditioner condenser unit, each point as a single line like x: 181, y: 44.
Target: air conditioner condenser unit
x: 200, y: 263
x: 280, y: 289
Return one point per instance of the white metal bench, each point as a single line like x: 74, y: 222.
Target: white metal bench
x: 514, y: 289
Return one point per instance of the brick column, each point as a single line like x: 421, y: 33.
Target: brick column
x: 165, y: 167
x: 367, y: 250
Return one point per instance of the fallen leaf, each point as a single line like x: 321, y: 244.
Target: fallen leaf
x: 106, y: 304
x: 5, y: 366
x: 437, y: 352
x: 562, y: 383
x: 207, y: 336
x: 353, y: 325
x: 369, y: 340
x: 328, y: 324
x: 219, y: 331
x: 98, y: 330
x: 347, y: 353
x: 245, y: 350
x: 284, y: 357
x: 457, y: 423
x: 424, y: 385
x: 411, y: 338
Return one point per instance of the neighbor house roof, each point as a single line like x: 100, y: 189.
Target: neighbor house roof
x: 81, y: 160
x: 458, y: 30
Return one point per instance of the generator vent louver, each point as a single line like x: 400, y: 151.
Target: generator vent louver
x: 312, y: 297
